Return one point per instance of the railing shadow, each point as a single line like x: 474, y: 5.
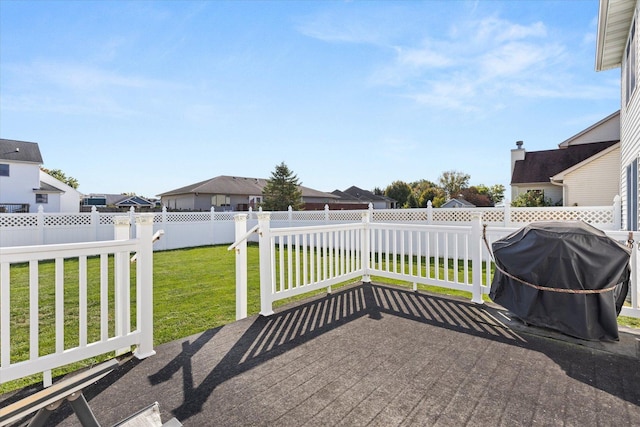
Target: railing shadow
x: 285, y: 330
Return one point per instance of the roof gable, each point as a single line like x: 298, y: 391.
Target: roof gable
x: 20, y: 151
x: 607, y: 129
x: 540, y: 166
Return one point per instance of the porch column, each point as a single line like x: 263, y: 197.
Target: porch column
x: 266, y: 264
x: 476, y: 256
x: 144, y: 285
x: 241, y: 266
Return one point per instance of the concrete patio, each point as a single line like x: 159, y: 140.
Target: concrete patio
x: 376, y: 355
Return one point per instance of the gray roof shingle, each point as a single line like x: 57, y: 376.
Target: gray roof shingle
x: 539, y: 166
x: 20, y: 151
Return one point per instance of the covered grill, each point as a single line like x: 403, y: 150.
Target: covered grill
x: 567, y: 276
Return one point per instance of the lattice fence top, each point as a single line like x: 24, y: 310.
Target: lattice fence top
x: 52, y: 220
x: 188, y: 216
x: 400, y: 215
x: 592, y: 216
x: 355, y: 216
x: 19, y: 220
x: 308, y: 216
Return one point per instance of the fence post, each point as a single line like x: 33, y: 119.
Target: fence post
x: 476, y: 256
x: 617, y: 213
x: 95, y: 222
x: 429, y: 212
x: 144, y: 285
x: 266, y: 276
x: 122, y: 280
x: 366, y: 245
x: 290, y: 215
x: 507, y: 213
x: 241, y: 266
x: 213, y: 225
x: 41, y: 225
x: 370, y: 210
x: 326, y: 214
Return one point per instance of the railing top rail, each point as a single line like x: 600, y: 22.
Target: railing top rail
x: 425, y: 227
x: 28, y: 253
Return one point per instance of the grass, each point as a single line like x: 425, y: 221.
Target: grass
x: 194, y: 290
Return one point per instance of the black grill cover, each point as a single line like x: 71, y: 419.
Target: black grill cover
x: 563, y: 255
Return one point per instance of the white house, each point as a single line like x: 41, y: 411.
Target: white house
x: 24, y: 187
x: 583, y: 171
x: 617, y: 46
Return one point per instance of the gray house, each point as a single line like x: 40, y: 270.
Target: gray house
x: 232, y: 193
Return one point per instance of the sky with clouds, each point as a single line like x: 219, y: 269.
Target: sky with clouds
x: 149, y: 96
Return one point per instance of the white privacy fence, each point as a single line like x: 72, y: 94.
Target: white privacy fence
x: 190, y: 229
x: 296, y: 260
x: 79, y: 294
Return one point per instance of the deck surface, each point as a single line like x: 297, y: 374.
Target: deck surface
x: 377, y: 355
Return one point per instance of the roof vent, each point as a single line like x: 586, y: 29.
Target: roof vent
x: 519, y: 144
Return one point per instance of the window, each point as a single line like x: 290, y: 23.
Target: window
x: 94, y: 201
x: 220, y: 200
x: 4, y: 169
x: 632, y: 196
x: 630, y: 65
x: 42, y: 198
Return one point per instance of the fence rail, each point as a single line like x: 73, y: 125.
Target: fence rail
x: 89, y: 283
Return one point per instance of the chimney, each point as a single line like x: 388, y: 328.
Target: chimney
x: 517, y: 154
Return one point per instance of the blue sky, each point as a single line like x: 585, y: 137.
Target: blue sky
x: 146, y: 97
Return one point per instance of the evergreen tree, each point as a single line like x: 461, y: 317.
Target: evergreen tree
x: 282, y: 190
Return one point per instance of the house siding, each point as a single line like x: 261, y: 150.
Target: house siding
x: 595, y: 183
x: 18, y: 186
x: 630, y: 126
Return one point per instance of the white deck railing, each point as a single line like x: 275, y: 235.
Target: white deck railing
x: 103, y: 324
x: 296, y: 260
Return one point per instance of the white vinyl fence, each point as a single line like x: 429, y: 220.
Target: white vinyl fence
x: 97, y: 292
x: 190, y: 229
x: 296, y: 260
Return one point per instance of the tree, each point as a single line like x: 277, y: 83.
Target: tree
x: 495, y: 192
x: 61, y: 176
x: 399, y: 191
x: 472, y: 195
x: 282, y: 190
x: 453, y: 182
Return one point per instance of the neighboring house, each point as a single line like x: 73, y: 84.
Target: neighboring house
x: 232, y: 193
x: 617, y: 46
x: 24, y: 187
x: 583, y: 171
x: 459, y: 202
x: 118, y: 201
x: 355, y: 194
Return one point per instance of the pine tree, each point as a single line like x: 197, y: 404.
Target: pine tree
x: 282, y: 190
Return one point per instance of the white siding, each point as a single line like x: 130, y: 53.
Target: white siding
x: 630, y: 129
x: 594, y: 184
x: 18, y: 186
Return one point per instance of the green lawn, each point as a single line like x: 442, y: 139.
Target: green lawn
x: 194, y: 290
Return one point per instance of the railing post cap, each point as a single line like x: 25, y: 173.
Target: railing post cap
x: 240, y: 217
x: 264, y: 215
x: 144, y: 218
x: 121, y: 220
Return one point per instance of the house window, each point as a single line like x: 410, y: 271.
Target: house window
x: 95, y: 201
x: 42, y: 198
x: 220, y: 200
x: 630, y: 65
x: 4, y: 169
x: 632, y: 196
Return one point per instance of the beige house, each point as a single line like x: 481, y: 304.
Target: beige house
x: 583, y: 171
